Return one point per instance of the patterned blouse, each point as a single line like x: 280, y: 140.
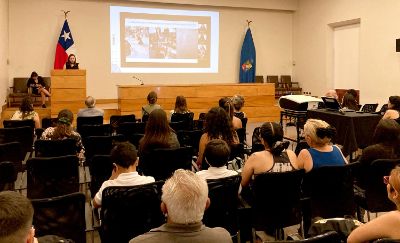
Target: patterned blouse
x: 29, y: 116
x: 48, y: 134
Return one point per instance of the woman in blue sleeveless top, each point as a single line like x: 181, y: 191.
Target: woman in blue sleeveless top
x: 318, y: 135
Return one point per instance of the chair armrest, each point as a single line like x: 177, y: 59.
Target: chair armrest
x: 29, y: 90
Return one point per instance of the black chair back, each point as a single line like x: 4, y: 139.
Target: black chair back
x: 62, y: 216
x: 276, y: 197
x: 53, y: 148
x: 8, y: 176
x: 331, y: 192
x: 161, y: 163
x: 375, y: 198
x: 23, y: 135
x: 92, y: 120
x: 186, y: 118
x: 241, y: 132
x: 19, y: 123
x: 257, y: 147
x: 100, y: 168
x: 244, y: 122
x: 95, y: 130
x: 178, y: 126
x: 52, y: 176
x: 49, y: 122
x: 12, y: 152
x: 135, y: 139
x: 190, y: 138
x: 115, y: 120
x: 100, y: 145
x: 328, y: 237
x: 127, y: 212
x: 223, y: 194
x: 129, y: 128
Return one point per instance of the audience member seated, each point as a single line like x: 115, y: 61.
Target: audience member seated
x: 16, y: 214
x: 152, y: 105
x: 350, y: 100
x: 238, y: 103
x: 71, y: 62
x: 180, y: 106
x: 218, y: 126
x: 124, y: 173
x: 158, y: 133
x: 64, y: 130
x: 387, y: 144
x: 216, y: 155
x: 26, y: 112
x: 331, y: 94
x: 38, y: 87
x: 184, y: 200
x: 275, y: 158
x: 386, y: 225
x: 227, y: 105
x: 393, y: 111
x: 318, y: 135
x: 91, y: 110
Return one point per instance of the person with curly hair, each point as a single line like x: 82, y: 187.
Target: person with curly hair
x: 318, y: 135
x: 26, y: 112
x: 218, y: 126
x: 275, y: 158
x: 65, y: 130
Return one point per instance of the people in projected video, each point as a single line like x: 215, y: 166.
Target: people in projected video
x: 138, y: 40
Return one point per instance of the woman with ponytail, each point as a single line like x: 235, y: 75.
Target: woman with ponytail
x: 275, y: 158
x: 318, y: 135
x: 64, y: 130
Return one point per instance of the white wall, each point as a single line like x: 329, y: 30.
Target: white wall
x: 3, y: 51
x: 379, y: 62
x: 35, y: 26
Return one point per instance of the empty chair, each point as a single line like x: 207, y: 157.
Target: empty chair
x: 23, y: 135
x: 8, y: 176
x: 369, y: 108
x: 100, y: 145
x: 292, y: 87
x: 222, y: 212
x: 93, y: 120
x: 186, y: 118
x: 19, y: 123
x: 95, y: 130
x: 62, y: 216
x: 178, y: 126
x: 135, y: 139
x: 12, y: 152
x: 259, y: 79
x: 373, y: 196
x: 52, y: 176
x: 279, y: 89
x: 116, y: 120
x: 161, y: 163
x: 276, y: 201
x: 101, y: 168
x: 49, y: 122
x: 53, y: 148
x: 127, y: 212
x: 129, y: 128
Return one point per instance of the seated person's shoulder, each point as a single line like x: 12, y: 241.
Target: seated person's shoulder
x: 217, y: 234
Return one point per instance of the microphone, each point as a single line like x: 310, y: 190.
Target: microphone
x: 141, y: 81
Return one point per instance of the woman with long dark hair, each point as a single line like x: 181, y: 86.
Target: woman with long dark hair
x: 393, y: 108
x: 227, y: 104
x: 26, y: 112
x: 71, y: 62
x: 158, y: 133
x: 275, y: 158
x: 38, y: 87
x: 218, y: 126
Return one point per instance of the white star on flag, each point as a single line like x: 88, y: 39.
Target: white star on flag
x: 66, y: 35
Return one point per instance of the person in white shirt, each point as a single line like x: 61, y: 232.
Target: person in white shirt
x: 216, y: 154
x: 125, y: 161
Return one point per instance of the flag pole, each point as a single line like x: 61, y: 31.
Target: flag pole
x: 65, y: 13
x: 248, y: 23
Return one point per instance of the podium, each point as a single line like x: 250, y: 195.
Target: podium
x: 68, y: 90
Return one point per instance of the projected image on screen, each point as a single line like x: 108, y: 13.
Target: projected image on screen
x: 159, y: 40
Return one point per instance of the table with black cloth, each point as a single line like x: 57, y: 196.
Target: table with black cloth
x: 354, y: 130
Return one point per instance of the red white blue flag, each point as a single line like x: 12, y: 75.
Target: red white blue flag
x: 65, y: 41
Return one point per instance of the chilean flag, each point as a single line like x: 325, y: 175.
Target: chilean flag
x: 65, y: 41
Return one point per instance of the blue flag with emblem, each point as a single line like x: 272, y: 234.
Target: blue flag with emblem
x: 247, y: 71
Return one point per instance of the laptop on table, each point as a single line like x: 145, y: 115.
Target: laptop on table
x: 332, y: 104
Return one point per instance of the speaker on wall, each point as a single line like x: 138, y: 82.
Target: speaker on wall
x: 397, y: 45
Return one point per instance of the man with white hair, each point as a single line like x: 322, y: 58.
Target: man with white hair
x: 331, y: 94
x: 184, y: 200
x: 91, y: 110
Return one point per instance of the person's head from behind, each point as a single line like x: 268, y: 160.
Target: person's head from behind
x: 157, y: 123
x: 185, y: 197
x: 218, y: 124
x: 272, y: 135
x: 180, y: 104
x: 227, y: 105
x: 352, y: 92
x: 90, y: 102
x: 318, y: 132
x: 393, y: 186
x: 72, y: 58
x: 16, y: 213
x: 26, y: 104
x: 238, y: 102
x: 217, y: 153
x: 387, y: 131
x: 65, y: 117
x: 331, y: 94
x: 394, y: 102
x: 64, y: 124
x: 124, y: 155
x: 152, y: 97
x: 34, y: 75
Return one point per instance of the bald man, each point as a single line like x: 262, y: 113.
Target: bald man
x: 331, y: 94
x: 91, y: 110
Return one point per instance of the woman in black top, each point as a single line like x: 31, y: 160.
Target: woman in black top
x: 71, y: 62
x: 38, y: 87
